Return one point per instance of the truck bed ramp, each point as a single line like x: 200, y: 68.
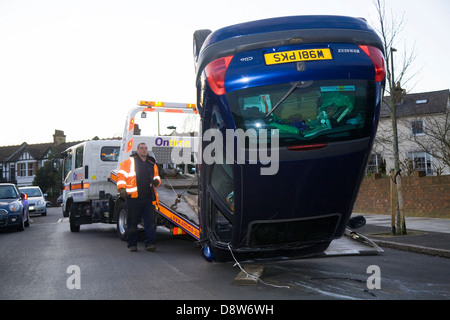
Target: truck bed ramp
x: 177, y: 210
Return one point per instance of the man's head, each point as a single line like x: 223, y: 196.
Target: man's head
x: 142, y: 150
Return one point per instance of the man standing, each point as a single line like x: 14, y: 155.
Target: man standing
x: 136, y: 181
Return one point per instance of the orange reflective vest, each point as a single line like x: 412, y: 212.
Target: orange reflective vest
x: 126, y: 178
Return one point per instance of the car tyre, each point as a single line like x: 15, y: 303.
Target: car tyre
x: 21, y: 225
x: 199, y: 38
x: 27, y: 222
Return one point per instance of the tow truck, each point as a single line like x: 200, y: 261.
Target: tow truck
x: 90, y: 169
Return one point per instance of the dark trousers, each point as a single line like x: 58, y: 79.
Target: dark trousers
x: 137, y: 209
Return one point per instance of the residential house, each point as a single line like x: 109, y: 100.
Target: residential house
x: 19, y: 164
x: 423, y: 125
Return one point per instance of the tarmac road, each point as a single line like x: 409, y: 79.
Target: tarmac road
x: 41, y: 263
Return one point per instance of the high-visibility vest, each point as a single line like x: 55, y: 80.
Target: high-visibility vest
x: 126, y: 178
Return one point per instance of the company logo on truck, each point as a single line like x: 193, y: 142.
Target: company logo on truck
x: 163, y: 142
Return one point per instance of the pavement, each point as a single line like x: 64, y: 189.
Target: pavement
x: 424, y: 235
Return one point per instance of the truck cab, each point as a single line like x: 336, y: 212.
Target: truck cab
x: 86, y: 186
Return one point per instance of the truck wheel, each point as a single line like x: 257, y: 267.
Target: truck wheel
x: 121, y: 220
x: 73, y: 227
x: 199, y: 38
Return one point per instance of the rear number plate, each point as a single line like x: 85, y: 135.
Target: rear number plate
x: 297, y: 55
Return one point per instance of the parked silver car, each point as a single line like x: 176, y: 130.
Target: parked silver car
x: 36, y: 200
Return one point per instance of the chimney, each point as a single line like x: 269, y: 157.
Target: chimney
x: 59, y: 137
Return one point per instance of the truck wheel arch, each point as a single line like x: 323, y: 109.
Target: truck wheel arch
x: 66, y: 207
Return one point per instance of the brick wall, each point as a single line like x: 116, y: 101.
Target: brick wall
x: 422, y: 196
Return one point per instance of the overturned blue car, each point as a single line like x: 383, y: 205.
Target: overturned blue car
x: 289, y: 109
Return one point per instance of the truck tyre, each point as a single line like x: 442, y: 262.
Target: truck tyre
x: 73, y: 226
x: 199, y: 38
x: 121, y: 208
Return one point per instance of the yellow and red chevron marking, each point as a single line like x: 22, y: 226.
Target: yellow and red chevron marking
x: 187, y: 226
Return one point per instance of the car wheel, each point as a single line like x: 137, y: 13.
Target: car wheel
x: 27, y: 222
x: 21, y: 225
x: 199, y: 38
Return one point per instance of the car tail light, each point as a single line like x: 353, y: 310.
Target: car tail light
x: 215, y: 73
x: 377, y: 58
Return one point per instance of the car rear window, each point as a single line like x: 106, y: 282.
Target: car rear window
x: 31, y: 192
x: 307, y: 111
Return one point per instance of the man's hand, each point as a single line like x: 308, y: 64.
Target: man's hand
x: 122, y: 193
x: 156, y: 182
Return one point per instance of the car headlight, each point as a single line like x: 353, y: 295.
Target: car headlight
x: 14, y: 206
x: 41, y: 202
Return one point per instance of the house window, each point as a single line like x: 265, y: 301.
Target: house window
x: 30, y: 169
x: 417, y: 127
x: 373, y: 164
x: 22, y: 169
x: 422, y: 161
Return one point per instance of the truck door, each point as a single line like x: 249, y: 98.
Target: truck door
x: 79, y: 170
x: 74, y: 173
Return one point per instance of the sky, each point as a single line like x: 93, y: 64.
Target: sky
x: 80, y: 65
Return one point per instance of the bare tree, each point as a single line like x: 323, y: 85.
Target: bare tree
x: 389, y: 29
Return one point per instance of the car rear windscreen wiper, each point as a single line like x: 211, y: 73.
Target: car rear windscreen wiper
x: 287, y: 94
